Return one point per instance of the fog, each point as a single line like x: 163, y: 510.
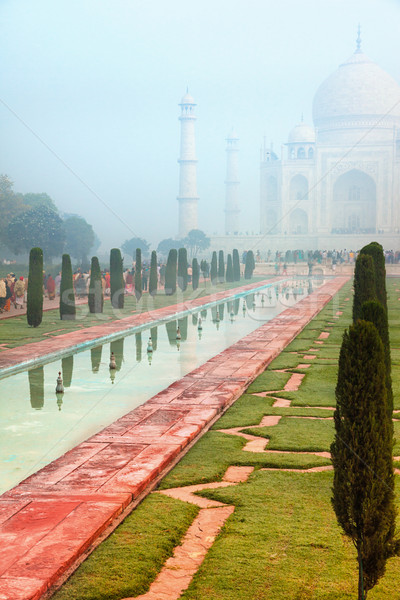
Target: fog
x: 89, y: 94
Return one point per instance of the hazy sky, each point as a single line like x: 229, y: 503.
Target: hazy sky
x: 89, y: 93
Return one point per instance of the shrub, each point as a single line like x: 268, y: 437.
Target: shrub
x: 249, y: 266
x: 236, y: 265
x: 364, y: 283
x: 95, y: 296
x: 376, y: 251
x: 182, y: 269
x: 221, y: 267
x: 229, y: 270
x: 34, y: 310
x: 153, y: 279
x: 67, y: 294
x: 214, y: 268
x: 170, y: 272
x: 117, y: 284
x: 195, y: 274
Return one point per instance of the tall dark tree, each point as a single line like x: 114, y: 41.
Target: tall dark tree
x: 95, y: 296
x: 364, y: 283
x: 229, y: 269
x: 376, y: 251
x: 363, y: 486
x: 250, y: 265
x: 153, y: 279
x: 236, y: 265
x: 182, y: 269
x: 67, y: 294
x: 221, y: 267
x: 214, y: 268
x: 117, y: 284
x: 34, y: 309
x: 374, y: 312
x: 138, y: 274
x: 170, y: 272
x: 195, y: 274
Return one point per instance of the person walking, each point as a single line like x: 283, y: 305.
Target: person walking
x: 19, y: 291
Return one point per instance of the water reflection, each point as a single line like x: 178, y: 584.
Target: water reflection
x: 36, y: 387
x: 117, y: 347
x: 138, y: 340
x: 154, y: 337
x: 67, y: 367
x: 95, y: 356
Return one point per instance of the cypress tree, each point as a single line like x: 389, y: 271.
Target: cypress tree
x: 363, y: 486
x: 153, y: 279
x: 195, y: 274
x: 221, y: 267
x: 117, y: 284
x: 95, y: 296
x: 67, y: 294
x: 34, y: 310
x: 376, y: 251
x: 236, y: 265
x: 182, y: 269
x: 364, y: 283
x: 170, y: 272
x: 229, y: 270
x: 374, y: 312
x: 138, y: 274
x: 214, y: 268
x: 249, y: 266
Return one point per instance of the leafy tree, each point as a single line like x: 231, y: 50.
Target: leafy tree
x: 196, y: 241
x: 43, y: 199
x: 79, y: 238
x: 37, y: 226
x: 214, y: 268
x: 95, y: 296
x: 182, y: 269
x: 195, y: 274
x: 168, y: 244
x: 34, y: 310
x: 364, y: 283
x: 229, y: 269
x: 363, y: 486
x: 204, y: 268
x: 236, y: 265
x: 67, y: 294
x: 153, y: 279
x: 130, y: 246
x: 376, y: 251
x: 138, y: 274
x: 250, y: 265
x: 11, y: 205
x: 170, y: 272
x: 117, y: 284
x: 221, y: 267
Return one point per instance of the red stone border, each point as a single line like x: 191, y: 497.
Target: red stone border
x: 53, y: 519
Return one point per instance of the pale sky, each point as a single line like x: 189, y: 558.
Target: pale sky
x: 89, y: 94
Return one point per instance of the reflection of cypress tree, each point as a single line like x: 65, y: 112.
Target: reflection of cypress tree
x: 154, y: 336
x: 249, y: 300
x: 36, y: 387
x: 138, y: 337
x: 171, y: 328
x: 214, y: 313
x: 203, y: 313
x: 183, y: 326
x: 95, y: 355
x: 118, y: 348
x: 67, y: 365
x: 195, y: 318
x: 237, y: 305
x: 221, y: 309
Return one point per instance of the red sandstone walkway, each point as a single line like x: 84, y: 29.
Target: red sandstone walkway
x: 52, y: 518
x: 36, y: 351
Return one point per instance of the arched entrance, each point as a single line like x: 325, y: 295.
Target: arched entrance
x: 354, y: 203
x: 298, y: 188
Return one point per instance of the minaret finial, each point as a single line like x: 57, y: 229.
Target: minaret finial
x: 358, y: 40
x: 302, y: 117
x: 187, y: 89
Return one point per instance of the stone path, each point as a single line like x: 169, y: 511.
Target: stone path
x: 55, y: 517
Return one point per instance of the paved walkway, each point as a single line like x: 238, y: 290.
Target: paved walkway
x: 54, y: 517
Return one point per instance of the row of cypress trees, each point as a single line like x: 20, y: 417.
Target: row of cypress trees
x: 363, y: 488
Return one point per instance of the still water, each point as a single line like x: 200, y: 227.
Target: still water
x: 37, y: 427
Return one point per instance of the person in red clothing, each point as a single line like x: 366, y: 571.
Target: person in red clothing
x: 108, y: 284
x: 51, y: 288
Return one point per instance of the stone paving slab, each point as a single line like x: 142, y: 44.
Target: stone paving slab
x: 49, y: 520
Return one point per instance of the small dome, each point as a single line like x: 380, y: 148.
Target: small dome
x: 187, y: 99
x: 232, y: 135
x: 358, y: 89
x: 302, y: 133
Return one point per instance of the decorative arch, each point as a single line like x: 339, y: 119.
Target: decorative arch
x: 272, y: 189
x: 298, y: 188
x: 311, y: 152
x: 354, y: 203
x: 298, y: 221
x: 272, y: 221
x: 301, y: 153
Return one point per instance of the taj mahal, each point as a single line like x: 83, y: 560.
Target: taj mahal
x: 337, y: 182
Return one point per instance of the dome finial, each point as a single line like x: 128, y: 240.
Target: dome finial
x: 358, y: 40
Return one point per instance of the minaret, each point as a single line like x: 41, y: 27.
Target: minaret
x: 232, y: 184
x: 187, y: 173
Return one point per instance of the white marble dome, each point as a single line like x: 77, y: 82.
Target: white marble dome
x: 359, y: 89
x: 302, y: 133
x: 187, y: 99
